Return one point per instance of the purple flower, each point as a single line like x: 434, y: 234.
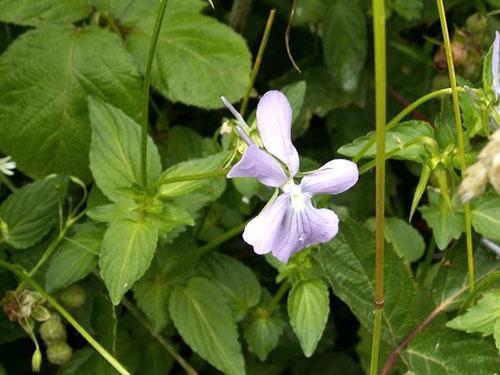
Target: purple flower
x: 290, y: 222
x: 495, y: 64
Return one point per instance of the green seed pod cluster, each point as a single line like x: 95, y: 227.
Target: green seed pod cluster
x: 52, y: 331
x: 73, y: 296
x: 54, y: 335
x: 59, y: 353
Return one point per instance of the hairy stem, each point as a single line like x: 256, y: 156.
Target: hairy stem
x: 258, y: 61
x: 25, y: 277
x: 145, y: 91
x: 460, y: 135
x: 380, y: 120
x: 159, y: 338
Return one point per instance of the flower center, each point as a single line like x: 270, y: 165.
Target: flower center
x: 296, y: 196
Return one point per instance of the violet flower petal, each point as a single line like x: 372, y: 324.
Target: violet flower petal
x: 284, y: 231
x: 495, y: 66
x: 259, y: 164
x: 274, y: 120
x: 334, y: 177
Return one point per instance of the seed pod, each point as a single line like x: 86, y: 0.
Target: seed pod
x: 52, y: 331
x: 59, y: 353
x: 73, y: 296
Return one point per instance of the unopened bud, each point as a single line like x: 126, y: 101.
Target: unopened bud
x: 36, y: 361
x: 474, y: 183
x: 59, y: 353
x: 52, y: 331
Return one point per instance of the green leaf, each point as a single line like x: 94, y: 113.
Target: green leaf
x: 115, y: 151
x: 31, y: 211
x: 405, y: 239
x: 126, y: 253
x: 395, y: 139
x: 480, y: 318
x: 44, y: 122
x: 75, y: 258
x: 152, y: 297
x: 198, y: 59
x: 33, y: 13
x: 124, y: 209
x: 235, y: 279
x: 309, y: 12
x: 295, y: 93
x: 209, y: 164
x: 262, y: 332
x: 170, y: 218
x: 446, y: 224
x: 496, y: 333
x: 445, y: 125
x: 345, y: 42
x: 486, y: 216
x: 203, y: 319
x: 409, y: 9
x: 444, y: 351
x: 308, y: 308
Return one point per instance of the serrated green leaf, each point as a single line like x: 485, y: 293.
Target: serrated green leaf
x: 124, y: 209
x: 44, y: 121
x: 115, y: 151
x: 481, y: 317
x: 33, y: 13
x: 409, y: 9
x: 171, y: 217
x: 209, y: 164
x: 31, y: 211
x: 395, y: 139
x: 126, y: 253
x: 202, y: 317
x: 345, y: 42
x: 405, y: 239
x: 262, y: 333
x: 75, y: 258
x: 152, y: 297
x: 486, y: 216
x: 308, y: 308
x: 198, y: 59
x: 235, y: 279
x: 446, y: 224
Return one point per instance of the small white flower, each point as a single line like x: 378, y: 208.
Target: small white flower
x: 7, y: 166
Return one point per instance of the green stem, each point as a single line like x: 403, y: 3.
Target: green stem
x: 380, y: 121
x: 258, y: 61
x: 484, y: 284
x: 111, y: 23
x: 159, y: 338
x: 221, y: 239
x: 25, y: 277
x: 194, y: 177
x: 275, y: 300
x: 460, y: 135
x: 48, y: 252
x: 5, y: 180
x: 428, y: 260
x: 145, y: 90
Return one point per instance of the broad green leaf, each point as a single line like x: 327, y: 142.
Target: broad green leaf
x: 152, y: 297
x: 309, y: 12
x: 446, y: 224
x: 295, y: 93
x: 486, y: 216
x: 308, y: 309
x: 198, y: 59
x: 235, y: 279
x: 44, y: 120
x: 31, y: 211
x: 33, y: 13
x: 170, y: 218
x: 181, y: 144
x: 445, y: 351
x: 348, y: 263
x: 481, y: 317
x: 209, y: 164
x: 445, y: 125
x: 124, y: 209
x: 115, y: 151
x: 202, y: 317
x: 126, y: 253
x: 345, y: 42
x: 405, y: 239
x: 75, y: 258
x: 262, y: 332
x: 408, y: 9
x: 496, y: 333
x: 396, y: 138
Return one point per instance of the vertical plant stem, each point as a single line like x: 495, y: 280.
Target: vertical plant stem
x: 145, y: 91
x: 258, y: 61
x: 24, y: 276
x: 275, y: 300
x: 5, y: 180
x: 460, y: 135
x: 380, y: 119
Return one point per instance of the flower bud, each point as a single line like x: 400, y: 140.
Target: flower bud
x: 73, y: 296
x: 59, y: 353
x: 36, y: 360
x: 52, y: 331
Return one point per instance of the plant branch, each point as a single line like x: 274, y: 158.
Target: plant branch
x: 145, y: 90
x: 379, y: 37
x: 221, y: 239
x: 159, y: 338
x: 460, y: 135
x: 275, y: 300
x: 258, y: 61
x: 25, y: 277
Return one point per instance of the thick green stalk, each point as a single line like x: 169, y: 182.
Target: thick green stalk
x: 145, y: 91
x: 460, y: 135
x: 258, y: 61
x: 25, y: 278
x: 380, y: 120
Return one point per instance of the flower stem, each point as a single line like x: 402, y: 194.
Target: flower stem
x: 379, y: 36
x: 145, y: 90
x: 25, y: 277
x: 193, y: 177
x: 460, y: 135
x: 221, y: 239
x: 159, y: 338
x: 275, y: 300
x: 5, y: 180
x: 258, y: 61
